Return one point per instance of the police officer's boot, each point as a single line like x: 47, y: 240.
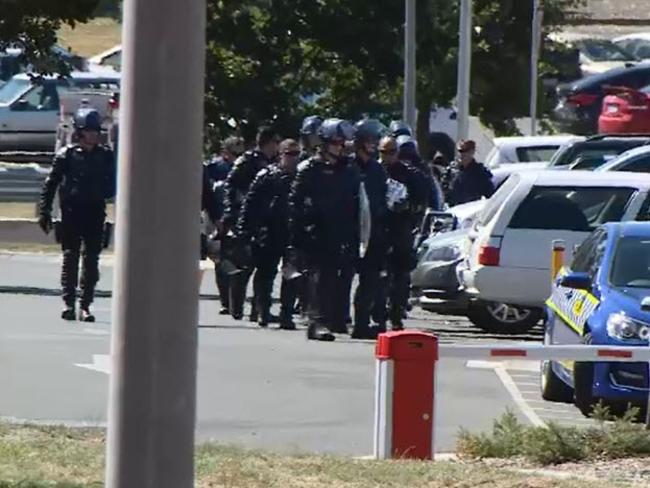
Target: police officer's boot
x: 85, y: 315
x: 238, y: 283
x: 396, y: 320
x: 68, y: 312
x: 317, y: 332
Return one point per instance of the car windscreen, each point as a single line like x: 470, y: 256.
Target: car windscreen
x: 13, y: 89
x: 535, y: 153
x: 591, y: 156
x: 579, y: 209
x: 495, y: 202
x: 631, y: 263
x: 603, y: 50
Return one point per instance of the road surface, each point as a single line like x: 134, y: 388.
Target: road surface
x: 257, y: 388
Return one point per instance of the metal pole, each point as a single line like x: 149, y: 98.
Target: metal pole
x: 464, y: 67
x: 152, y: 398
x: 409, y: 63
x: 538, y: 15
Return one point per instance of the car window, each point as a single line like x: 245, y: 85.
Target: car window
x: 603, y: 50
x: 579, y: 209
x: 631, y: 263
x: 590, y: 156
x: 583, y: 258
x: 535, y: 153
x: 12, y: 89
x: 42, y: 97
x: 637, y: 165
x: 494, y: 203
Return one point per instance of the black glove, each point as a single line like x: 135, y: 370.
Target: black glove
x: 45, y: 222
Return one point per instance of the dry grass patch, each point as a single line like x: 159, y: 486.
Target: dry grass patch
x: 39, y: 457
x: 91, y: 38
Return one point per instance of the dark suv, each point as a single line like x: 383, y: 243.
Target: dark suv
x: 591, y: 152
x: 579, y: 103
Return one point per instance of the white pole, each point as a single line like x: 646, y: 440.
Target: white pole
x: 409, y: 63
x: 152, y: 397
x: 464, y: 67
x: 538, y: 15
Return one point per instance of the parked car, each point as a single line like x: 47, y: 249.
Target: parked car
x: 579, y: 103
x: 638, y: 44
x: 625, y: 110
x: 12, y: 61
x: 597, y: 55
x: 594, y: 151
x: 601, y: 298
x: 507, y: 252
x: 526, y: 149
x: 30, y: 106
x: 635, y: 160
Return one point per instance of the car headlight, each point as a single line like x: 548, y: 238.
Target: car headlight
x: 622, y: 327
x: 441, y: 253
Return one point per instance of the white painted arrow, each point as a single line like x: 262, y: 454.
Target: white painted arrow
x: 101, y: 363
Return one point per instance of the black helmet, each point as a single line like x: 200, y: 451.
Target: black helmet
x: 369, y: 130
x: 336, y: 129
x: 310, y: 125
x: 88, y: 118
x: 400, y: 128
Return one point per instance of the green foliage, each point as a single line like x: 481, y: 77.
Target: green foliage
x: 32, y: 26
x: 611, y: 438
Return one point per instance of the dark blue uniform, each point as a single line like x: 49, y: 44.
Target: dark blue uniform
x: 469, y: 184
x: 264, y: 223
x: 324, y: 227
x: 84, y: 180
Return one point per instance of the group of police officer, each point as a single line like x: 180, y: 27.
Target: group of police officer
x: 345, y: 200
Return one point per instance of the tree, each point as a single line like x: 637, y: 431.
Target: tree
x: 276, y: 60
x: 32, y: 26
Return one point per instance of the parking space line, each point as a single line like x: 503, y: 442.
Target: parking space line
x: 517, y: 397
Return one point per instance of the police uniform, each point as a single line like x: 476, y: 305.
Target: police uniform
x: 264, y: 225
x: 84, y: 180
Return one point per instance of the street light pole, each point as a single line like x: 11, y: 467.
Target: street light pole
x: 409, y: 63
x: 538, y: 16
x: 464, y: 67
x: 152, y: 397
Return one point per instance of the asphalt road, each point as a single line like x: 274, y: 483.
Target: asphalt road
x: 258, y: 388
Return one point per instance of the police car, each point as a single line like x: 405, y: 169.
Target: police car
x: 603, y: 298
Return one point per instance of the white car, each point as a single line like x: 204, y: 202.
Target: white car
x: 30, y: 106
x: 637, y: 44
x: 597, y: 54
x: 635, y: 160
x: 508, y: 249
x: 112, y: 57
x: 525, y: 149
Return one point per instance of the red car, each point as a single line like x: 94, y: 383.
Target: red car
x: 625, y: 111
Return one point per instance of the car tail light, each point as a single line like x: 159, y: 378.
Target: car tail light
x: 489, y: 254
x: 582, y: 99
x: 612, y: 109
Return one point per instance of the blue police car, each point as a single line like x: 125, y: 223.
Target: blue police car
x: 602, y: 297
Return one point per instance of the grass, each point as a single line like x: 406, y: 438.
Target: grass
x: 27, y: 210
x: 56, y: 457
x: 91, y: 38
x: 611, y: 438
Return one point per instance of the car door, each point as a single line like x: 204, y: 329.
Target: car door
x: 32, y: 120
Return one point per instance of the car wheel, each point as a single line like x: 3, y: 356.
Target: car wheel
x: 583, y: 383
x: 552, y: 387
x: 502, y: 318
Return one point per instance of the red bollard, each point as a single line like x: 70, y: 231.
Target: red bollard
x: 405, y: 395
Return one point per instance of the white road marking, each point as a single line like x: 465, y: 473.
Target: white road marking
x: 510, y: 385
x: 101, y: 363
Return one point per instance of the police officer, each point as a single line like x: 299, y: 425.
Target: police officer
x: 237, y: 186
x: 309, y: 136
x: 84, y: 175
x: 407, y: 197
x: 400, y: 128
x: 468, y: 180
x: 407, y: 150
x: 264, y: 224
x: 324, y: 225
x: 219, y: 167
x: 373, y: 263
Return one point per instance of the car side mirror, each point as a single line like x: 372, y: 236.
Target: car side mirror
x: 576, y: 281
x: 645, y: 304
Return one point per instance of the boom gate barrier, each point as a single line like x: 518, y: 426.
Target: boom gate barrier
x: 405, y: 388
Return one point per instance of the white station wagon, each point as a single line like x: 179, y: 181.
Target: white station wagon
x: 508, y: 249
